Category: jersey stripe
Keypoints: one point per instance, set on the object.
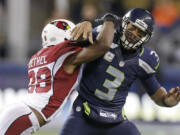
(147, 68)
(60, 61)
(13, 130)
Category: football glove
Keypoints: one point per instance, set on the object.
(108, 17)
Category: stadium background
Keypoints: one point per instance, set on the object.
(21, 22)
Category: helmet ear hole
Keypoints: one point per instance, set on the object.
(45, 38)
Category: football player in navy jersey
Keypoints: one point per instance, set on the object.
(53, 74)
(98, 109)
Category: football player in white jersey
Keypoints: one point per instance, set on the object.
(53, 73)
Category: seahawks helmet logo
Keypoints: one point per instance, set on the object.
(142, 25)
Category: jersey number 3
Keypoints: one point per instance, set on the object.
(40, 80)
(111, 86)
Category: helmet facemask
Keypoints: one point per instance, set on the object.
(129, 40)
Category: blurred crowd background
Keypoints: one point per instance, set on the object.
(21, 23)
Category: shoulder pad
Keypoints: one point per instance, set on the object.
(148, 60)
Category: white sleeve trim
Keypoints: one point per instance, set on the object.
(60, 61)
(147, 68)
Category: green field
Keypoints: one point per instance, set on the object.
(46, 133)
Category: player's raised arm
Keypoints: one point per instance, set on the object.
(167, 99)
(102, 43)
(159, 94)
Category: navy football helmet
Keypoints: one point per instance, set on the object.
(143, 20)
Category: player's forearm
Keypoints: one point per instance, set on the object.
(102, 43)
(159, 96)
(166, 99)
(99, 47)
(105, 37)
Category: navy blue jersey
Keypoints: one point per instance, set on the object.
(105, 82)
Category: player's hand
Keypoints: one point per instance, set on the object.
(173, 97)
(83, 31)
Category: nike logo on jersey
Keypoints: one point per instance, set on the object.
(37, 61)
